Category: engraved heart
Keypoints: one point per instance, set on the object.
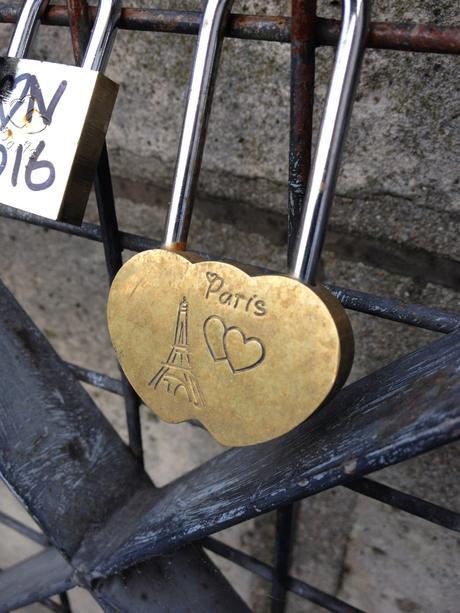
(214, 331)
(242, 353)
(250, 357)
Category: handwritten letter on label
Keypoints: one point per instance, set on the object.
(43, 108)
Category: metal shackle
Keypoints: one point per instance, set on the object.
(334, 124)
(26, 27)
(354, 28)
(193, 136)
(102, 34)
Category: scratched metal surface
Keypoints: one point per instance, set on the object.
(72, 472)
(402, 410)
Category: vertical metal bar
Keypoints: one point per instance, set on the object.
(112, 250)
(80, 32)
(80, 29)
(336, 115)
(303, 44)
(65, 603)
(285, 526)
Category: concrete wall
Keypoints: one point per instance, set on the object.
(393, 231)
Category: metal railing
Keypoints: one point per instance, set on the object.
(305, 32)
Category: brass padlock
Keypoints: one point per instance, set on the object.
(248, 354)
(54, 119)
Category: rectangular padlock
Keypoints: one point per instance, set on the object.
(53, 120)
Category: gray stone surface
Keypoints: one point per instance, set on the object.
(398, 186)
(397, 562)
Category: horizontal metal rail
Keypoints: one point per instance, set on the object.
(97, 379)
(391, 309)
(406, 502)
(30, 533)
(265, 571)
(274, 28)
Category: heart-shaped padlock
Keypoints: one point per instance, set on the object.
(249, 355)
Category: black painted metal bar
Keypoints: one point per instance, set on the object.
(112, 250)
(65, 603)
(392, 309)
(398, 412)
(284, 537)
(373, 489)
(396, 310)
(97, 379)
(35, 579)
(406, 502)
(48, 603)
(52, 433)
(21, 528)
(368, 487)
(413, 505)
(53, 606)
(80, 31)
(265, 571)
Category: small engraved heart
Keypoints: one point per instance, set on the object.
(243, 353)
(214, 331)
(231, 344)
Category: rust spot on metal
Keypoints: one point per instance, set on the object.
(303, 42)
(79, 21)
(179, 246)
(403, 37)
(399, 37)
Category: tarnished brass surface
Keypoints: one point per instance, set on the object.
(53, 120)
(250, 357)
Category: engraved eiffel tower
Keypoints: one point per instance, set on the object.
(176, 373)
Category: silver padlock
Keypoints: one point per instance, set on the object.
(53, 119)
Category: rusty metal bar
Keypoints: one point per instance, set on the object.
(301, 121)
(399, 37)
(79, 24)
(303, 45)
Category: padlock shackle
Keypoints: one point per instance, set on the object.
(26, 27)
(102, 35)
(334, 124)
(193, 136)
